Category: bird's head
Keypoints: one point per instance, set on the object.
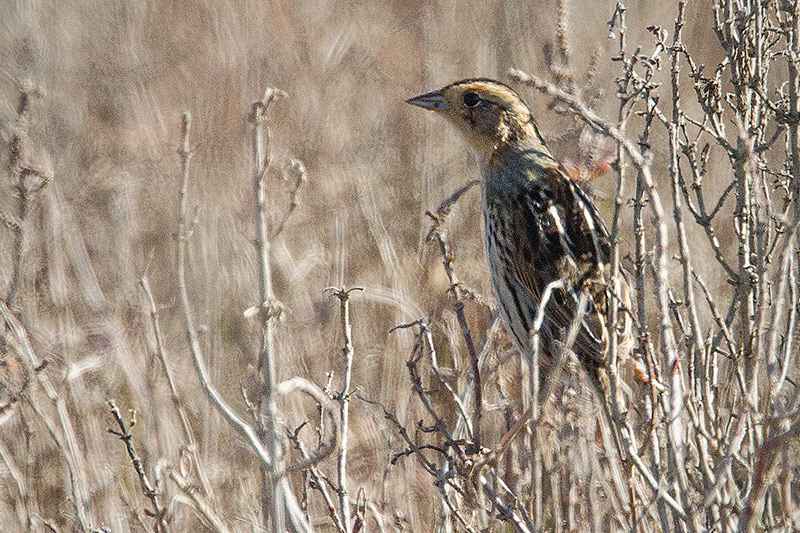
(488, 113)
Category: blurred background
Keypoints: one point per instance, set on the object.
(115, 78)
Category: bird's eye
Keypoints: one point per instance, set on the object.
(471, 99)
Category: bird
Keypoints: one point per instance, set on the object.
(546, 243)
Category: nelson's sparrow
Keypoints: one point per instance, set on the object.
(540, 227)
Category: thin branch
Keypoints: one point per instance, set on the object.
(318, 482)
(67, 442)
(344, 400)
(200, 503)
(22, 169)
(299, 169)
(439, 233)
(262, 157)
(158, 513)
(244, 429)
(318, 395)
(175, 396)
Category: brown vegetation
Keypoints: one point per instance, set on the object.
(209, 293)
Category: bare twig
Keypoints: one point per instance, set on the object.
(439, 233)
(67, 441)
(318, 482)
(199, 502)
(344, 401)
(425, 331)
(191, 332)
(158, 512)
(247, 431)
(28, 178)
(175, 396)
(262, 157)
(299, 169)
(325, 449)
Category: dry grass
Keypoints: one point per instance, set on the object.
(115, 80)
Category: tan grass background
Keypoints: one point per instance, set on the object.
(116, 77)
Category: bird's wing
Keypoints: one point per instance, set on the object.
(560, 236)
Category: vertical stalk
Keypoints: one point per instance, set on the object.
(456, 293)
(344, 403)
(175, 396)
(270, 494)
(794, 107)
(533, 435)
(344, 411)
(19, 241)
(21, 170)
(695, 334)
(619, 198)
(285, 502)
(15, 162)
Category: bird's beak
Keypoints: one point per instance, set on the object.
(432, 100)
